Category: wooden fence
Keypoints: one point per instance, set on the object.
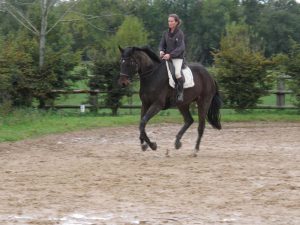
(281, 91)
(94, 105)
(94, 100)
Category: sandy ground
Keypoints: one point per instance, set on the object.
(247, 173)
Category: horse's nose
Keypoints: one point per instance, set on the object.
(123, 81)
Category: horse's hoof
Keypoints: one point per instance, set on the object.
(144, 147)
(178, 144)
(153, 146)
(195, 153)
(167, 153)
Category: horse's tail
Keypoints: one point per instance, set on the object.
(213, 115)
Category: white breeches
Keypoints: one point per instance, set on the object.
(177, 64)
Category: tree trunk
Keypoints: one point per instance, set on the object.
(42, 46)
(43, 33)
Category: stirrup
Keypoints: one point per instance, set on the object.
(180, 97)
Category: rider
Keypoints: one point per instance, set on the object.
(172, 47)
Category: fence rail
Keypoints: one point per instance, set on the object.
(94, 96)
(280, 100)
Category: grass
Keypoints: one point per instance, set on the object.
(28, 123)
(13, 130)
(74, 98)
(271, 99)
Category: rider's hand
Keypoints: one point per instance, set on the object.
(161, 54)
(166, 57)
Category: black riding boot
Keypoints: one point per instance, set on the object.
(180, 82)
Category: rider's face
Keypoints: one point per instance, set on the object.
(172, 23)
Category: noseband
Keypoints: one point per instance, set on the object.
(123, 75)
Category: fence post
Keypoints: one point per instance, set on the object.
(94, 101)
(130, 102)
(280, 95)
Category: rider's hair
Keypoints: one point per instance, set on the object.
(177, 19)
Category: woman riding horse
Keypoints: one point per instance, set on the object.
(156, 94)
(172, 48)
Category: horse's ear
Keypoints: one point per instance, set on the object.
(121, 49)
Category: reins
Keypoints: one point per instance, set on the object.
(145, 74)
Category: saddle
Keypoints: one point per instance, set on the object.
(186, 73)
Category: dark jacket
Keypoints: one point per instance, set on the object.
(173, 43)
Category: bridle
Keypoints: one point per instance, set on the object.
(142, 75)
(132, 62)
(123, 75)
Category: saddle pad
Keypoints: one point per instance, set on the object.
(187, 73)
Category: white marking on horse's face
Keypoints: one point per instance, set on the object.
(123, 61)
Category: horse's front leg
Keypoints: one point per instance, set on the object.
(152, 111)
(144, 145)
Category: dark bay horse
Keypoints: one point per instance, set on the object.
(156, 94)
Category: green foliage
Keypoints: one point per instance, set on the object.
(293, 70)
(106, 74)
(204, 33)
(107, 67)
(4, 81)
(251, 10)
(277, 21)
(23, 80)
(91, 28)
(289, 64)
(92, 22)
(241, 72)
(130, 33)
(17, 70)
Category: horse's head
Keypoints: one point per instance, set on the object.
(128, 66)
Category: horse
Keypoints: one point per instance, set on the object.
(156, 94)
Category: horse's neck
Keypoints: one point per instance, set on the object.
(150, 72)
(146, 64)
(145, 68)
(155, 78)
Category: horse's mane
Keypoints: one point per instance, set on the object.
(150, 53)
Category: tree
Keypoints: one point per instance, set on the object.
(92, 22)
(41, 30)
(36, 25)
(279, 20)
(130, 33)
(5, 83)
(241, 71)
(17, 71)
(105, 79)
(293, 69)
(205, 29)
(252, 11)
(106, 67)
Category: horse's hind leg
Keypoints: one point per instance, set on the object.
(188, 120)
(202, 111)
